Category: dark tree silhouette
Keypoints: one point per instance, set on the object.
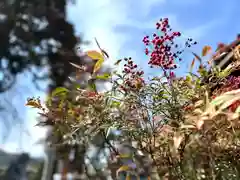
(35, 33)
(17, 168)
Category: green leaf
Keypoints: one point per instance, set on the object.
(104, 76)
(188, 78)
(124, 156)
(92, 86)
(77, 86)
(226, 72)
(59, 90)
(198, 83)
(203, 72)
(115, 104)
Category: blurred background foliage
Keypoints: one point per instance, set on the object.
(36, 39)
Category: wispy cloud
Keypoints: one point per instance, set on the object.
(100, 18)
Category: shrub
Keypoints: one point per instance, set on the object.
(158, 127)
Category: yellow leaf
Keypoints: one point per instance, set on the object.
(122, 168)
(124, 156)
(206, 50)
(98, 65)
(95, 55)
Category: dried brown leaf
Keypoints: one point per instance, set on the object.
(177, 139)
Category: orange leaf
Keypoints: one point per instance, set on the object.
(192, 64)
(206, 50)
(95, 55)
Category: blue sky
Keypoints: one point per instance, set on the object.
(119, 26)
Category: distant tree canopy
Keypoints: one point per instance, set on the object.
(35, 37)
(35, 33)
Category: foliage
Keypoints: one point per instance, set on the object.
(165, 127)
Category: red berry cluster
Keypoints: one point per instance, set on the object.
(133, 76)
(131, 68)
(163, 53)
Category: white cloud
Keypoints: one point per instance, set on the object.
(99, 18)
